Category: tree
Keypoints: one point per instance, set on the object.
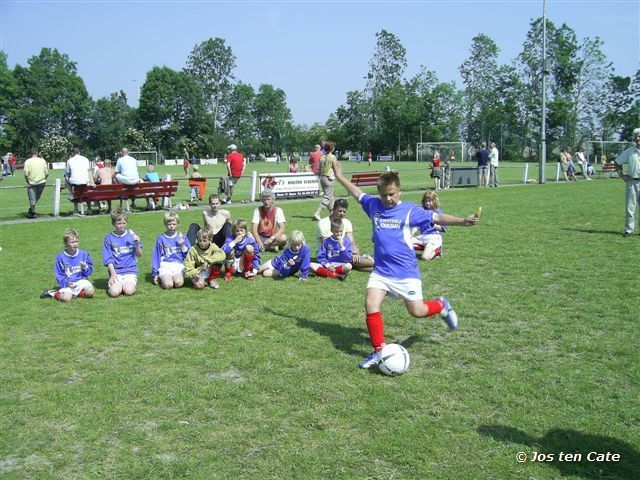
(273, 117)
(210, 64)
(52, 99)
(239, 122)
(479, 76)
(171, 106)
(109, 120)
(388, 63)
(9, 94)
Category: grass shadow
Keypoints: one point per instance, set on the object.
(591, 230)
(559, 440)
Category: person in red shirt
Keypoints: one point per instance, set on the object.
(235, 167)
(314, 159)
(12, 164)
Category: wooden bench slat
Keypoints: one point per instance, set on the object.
(365, 179)
(119, 191)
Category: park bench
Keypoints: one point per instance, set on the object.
(119, 191)
(365, 179)
(609, 168)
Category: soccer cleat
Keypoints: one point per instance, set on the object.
(341, 276)
(373, 360)
(250, 275)
(228, 276)
(214, 284)
(448, 314)
(48, 294)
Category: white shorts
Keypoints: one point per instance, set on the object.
(406, 288)
(171, 269)
(334, 264)
(127, 277)
(75, 291)
(433, 239)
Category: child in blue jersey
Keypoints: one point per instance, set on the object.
(120, 251)
(428, 239)
(171, 249)
(295, 258)
(396, 272)
(72, 268)
(335, 254)
(243, 252)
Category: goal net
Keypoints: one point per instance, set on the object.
(145, 158)
(598, 151)
(425, 151)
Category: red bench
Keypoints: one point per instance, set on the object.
(365, 179)
(119, 191)
(609, 168)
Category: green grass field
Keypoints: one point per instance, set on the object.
(260, 380)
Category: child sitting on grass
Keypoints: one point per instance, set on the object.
(243, 253)
(169, 254)
(204, 261)
(120, 251)
(72, 269)
(427, 238)
(335, 254)
(295, 258)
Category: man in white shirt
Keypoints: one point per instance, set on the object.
(78, 174)
(493, 165)
(127, 169)
(268, 224)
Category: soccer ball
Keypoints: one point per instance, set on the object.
(395, 360)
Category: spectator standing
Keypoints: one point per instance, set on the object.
(36, 172)
(630, 157)
(327, 177)
(493, 165)
(235, 167)
(482, 157)
(584, 164)
(314, 159)
(12, 164)
(435, 169)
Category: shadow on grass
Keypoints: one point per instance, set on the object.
(591, 230)
(346, 339)
(572, 441)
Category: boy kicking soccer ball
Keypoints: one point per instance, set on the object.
(72, 269)
(396, 272)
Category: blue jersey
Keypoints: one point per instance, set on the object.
(331, 251)
(393, 251)
(120, 250)
(302, 260)
(238, 249)
(67, 267)
(169, 250)
(429, 229)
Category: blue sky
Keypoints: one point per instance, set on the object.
(314, 51)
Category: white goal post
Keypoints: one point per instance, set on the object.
(599, 151)
(425, 150)
(145, 158)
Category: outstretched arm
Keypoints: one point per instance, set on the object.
(444, 219)
(351, 188)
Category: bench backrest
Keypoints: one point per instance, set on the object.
(119, 190)
(364, 179)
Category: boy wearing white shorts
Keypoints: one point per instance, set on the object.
(120, 252)
(396, 271)
(169, 254)
(72, 269)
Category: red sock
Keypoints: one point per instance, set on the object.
(214, 272)
(339, 270)
(376, 329)
(57, 295)
(247, 262)
(324, 272)
(419, 248)
(434, 306)
(81, 294)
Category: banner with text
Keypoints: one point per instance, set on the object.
(289, 185)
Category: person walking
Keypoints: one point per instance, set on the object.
(630, 157)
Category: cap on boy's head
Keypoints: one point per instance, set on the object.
(232, 147)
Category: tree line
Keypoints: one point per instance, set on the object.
(204, 107)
